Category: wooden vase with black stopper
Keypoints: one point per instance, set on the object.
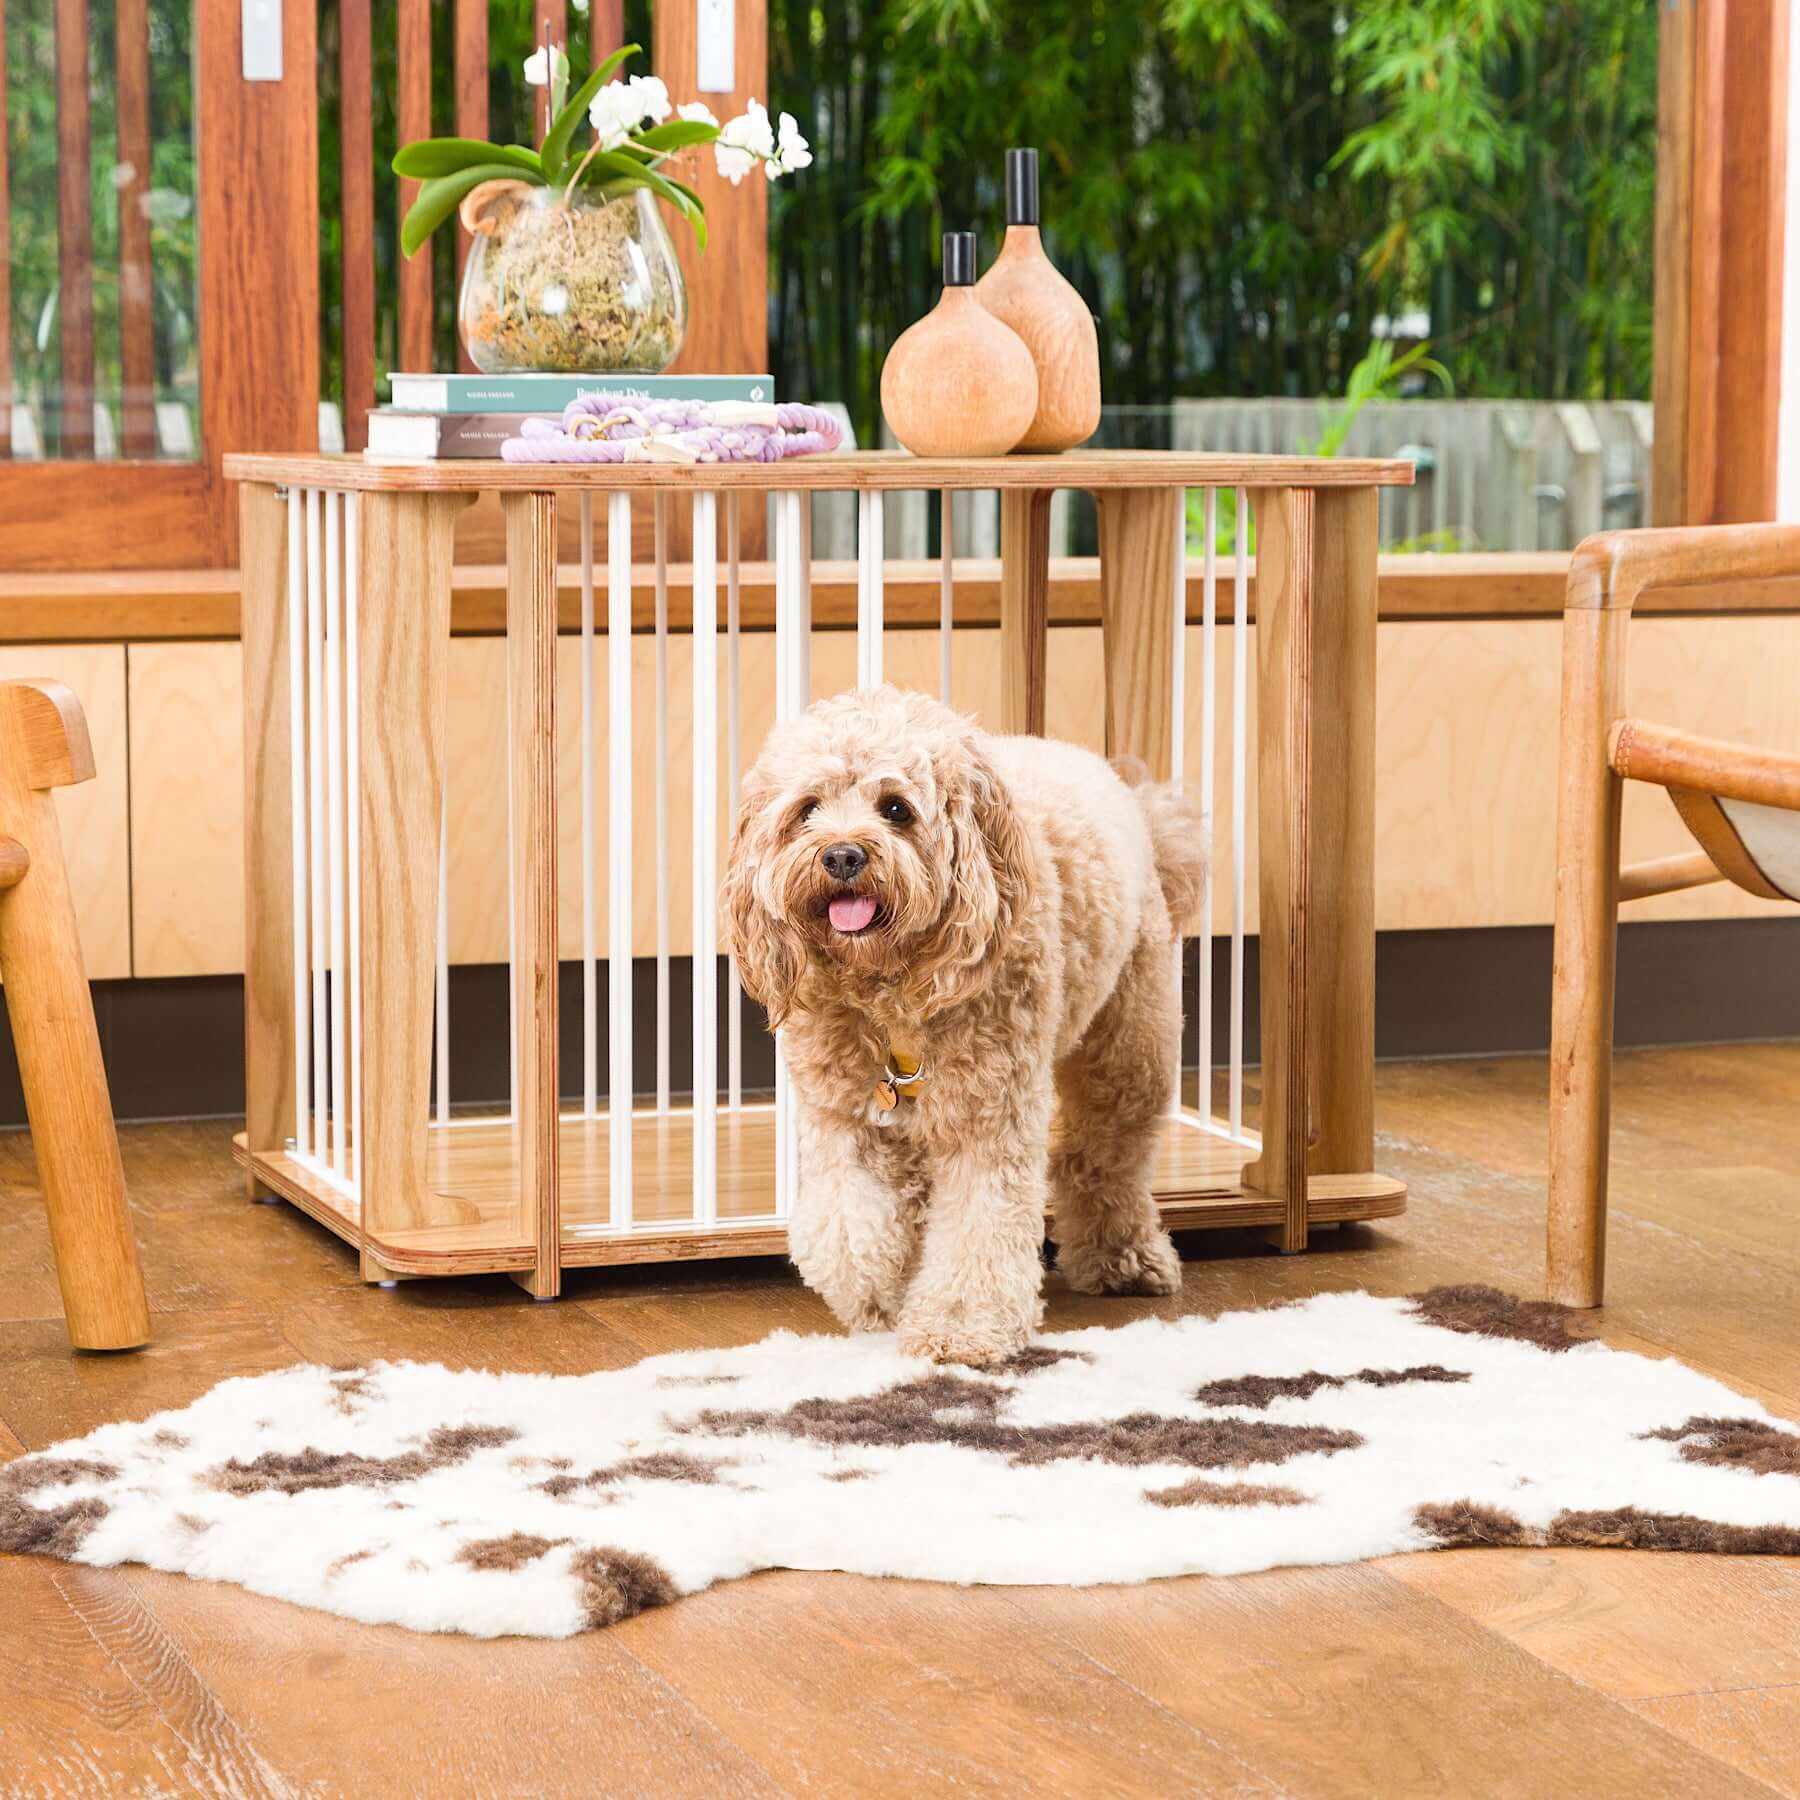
(1024, 291)
(958, 382)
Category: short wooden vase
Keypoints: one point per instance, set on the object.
(1024, 291)
(958, 382)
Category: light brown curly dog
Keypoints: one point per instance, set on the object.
(1000, 906)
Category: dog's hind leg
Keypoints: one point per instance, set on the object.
(1113, 1092)
(855, 1221)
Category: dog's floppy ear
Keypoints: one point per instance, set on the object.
(769, 955)
(991, 879)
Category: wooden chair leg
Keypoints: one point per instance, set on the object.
(1587, 916)
(44, 744)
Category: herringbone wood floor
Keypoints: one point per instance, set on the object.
(1460, 1673)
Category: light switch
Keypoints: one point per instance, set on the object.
(262, 40)
(715, 42)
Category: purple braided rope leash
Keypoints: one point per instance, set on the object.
(604, 429)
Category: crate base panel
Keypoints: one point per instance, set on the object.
(1198, 1183)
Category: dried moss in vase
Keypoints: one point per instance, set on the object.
(577, 286)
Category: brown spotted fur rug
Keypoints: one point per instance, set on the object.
(1344, 1427)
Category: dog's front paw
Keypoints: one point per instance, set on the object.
(1146, 1265)
(970, 1345)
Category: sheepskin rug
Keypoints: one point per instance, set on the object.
(1343, 1427)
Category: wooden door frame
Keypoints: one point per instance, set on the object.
(1721, 203)
(256, 160)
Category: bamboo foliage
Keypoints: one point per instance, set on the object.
(1240, 188)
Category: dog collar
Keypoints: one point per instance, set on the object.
(900, 1079)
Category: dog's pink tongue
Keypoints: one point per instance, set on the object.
(852, 912)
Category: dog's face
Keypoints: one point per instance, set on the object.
(874, 842)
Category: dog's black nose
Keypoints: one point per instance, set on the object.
(844, 862)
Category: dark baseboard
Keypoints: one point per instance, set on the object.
(176, 1048)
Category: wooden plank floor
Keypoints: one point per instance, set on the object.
(1484, 1672)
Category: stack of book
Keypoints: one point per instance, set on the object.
(435, 416)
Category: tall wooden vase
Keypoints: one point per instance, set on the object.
(958, 382)
(1024, 291)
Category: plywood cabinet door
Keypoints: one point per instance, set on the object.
(1465, 777)
(92, 814)
(187, 809)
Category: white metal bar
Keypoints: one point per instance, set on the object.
(1240, 683)
(315, 728)
(296, 547)
(706, 857)
(620, 1083)
(590, 1049)
(660, 507)
(353, 788)
(1178, 725)
(790, 698)
(870, 567)
(946, 588)
(803, 529)
(1209, 634)
(862, 578)
(734, 993)
(793, 527)
(334, 812)
(442, 998)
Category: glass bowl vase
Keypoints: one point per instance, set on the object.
(577, 284)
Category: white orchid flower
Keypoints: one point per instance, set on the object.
(621, 106)
(746, 141)
(791, 151)
(698, 112)
(546, 64)
(734, 164)
(651, 95)
(606, 113)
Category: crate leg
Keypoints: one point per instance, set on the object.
(1137, 612)
(1315, 614)
(531, 673)
(269, 1094)
(403, 643)
(1024, 607)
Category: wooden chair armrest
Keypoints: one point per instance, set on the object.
(1610, 571)
(44, 731)
(1680, 759)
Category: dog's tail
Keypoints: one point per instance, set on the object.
(1177, 836)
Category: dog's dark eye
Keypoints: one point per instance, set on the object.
(896, 811)
(809, 810)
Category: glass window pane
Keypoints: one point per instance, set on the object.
(101, 326)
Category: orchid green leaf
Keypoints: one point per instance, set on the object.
(441, 196)
(677, 134)
(431, 157)
(555, 152)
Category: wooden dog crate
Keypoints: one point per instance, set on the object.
(346, 628)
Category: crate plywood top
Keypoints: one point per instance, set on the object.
(856, 469)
